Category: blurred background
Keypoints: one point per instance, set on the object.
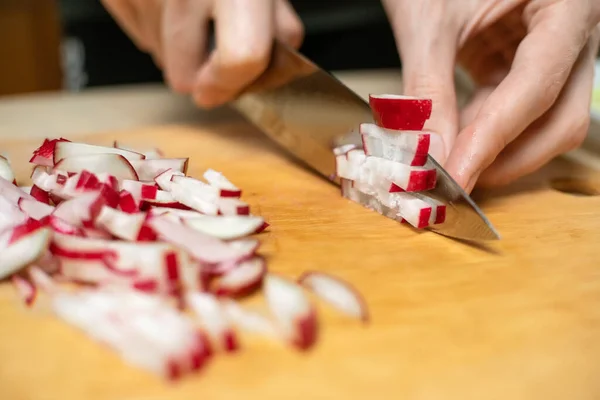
(73, 45)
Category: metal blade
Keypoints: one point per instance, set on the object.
(308, 112)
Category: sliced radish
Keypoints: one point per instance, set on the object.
(407, 147)
(368, 201)
(64, 150)
(81, 210)
(35, 209)
(120, 224)
(414, 210)
(246, 277)
(229, 206)
(147, 170)
(10, 214)
(438, 214)
(400, 112)
(26, 289)
(163, 180)
(25, 189)
(113, 164)
(44, 155)
(337, 293)
(214, 319)
(127, 202)
(292, 309)
(16, 254)
(11, 192)
(226, 227)
(140, 190)
(6, 171)
(61, 226)
(191, 199)
(249, 320)
(148, 153)
(219, 181)
(40, 195)
(202, 247)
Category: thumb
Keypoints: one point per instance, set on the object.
(427, 41)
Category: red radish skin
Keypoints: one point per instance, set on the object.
(249, 320)
(337, 293)
(400, 112)
(40, 195)
(293, 311)
(127, 202)
(163, 180)
(219, 181)
(44, 155)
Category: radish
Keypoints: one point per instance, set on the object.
(246, 277)
(140, 190)
(6, 171)
(203, 247)
(113, 164)
(64, 150)
(10, 215)
(219, 181)
(127, 202)
(35, 209)
(438, 213)
(10, 192)
(229, 206)
(214, 319)
(26, 289)
(226, 227)
(40, 195)
(293, 311)
(407, 147)
(336, 292)
(147, 170)
(120, 224)
(163, 180)
(249, 320)
(44, 155)
(148, 153)
(81, 210)
(400, 112)
(192, 199)
(18, 251)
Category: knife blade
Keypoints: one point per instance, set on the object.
(308, 112)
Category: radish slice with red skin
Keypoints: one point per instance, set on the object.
(12, 193)
(147, 170)
(219, 181)
(10, 214)
(416, 142)
(64, 150)
(25, 189)
(202, 247)
(94, 233)
(35, 209)
(113, 164)
(191, 199)
(6, 171)
(140, 190)
(368, 201)
(40, 195)
(61, 226)
(228, 206)
(44, 155)
(214, 319)
(337, 293)
(400, 112)
(249, 320)
(26, 289)
(120, 224)
(163, 180)
(149, 154)
(292, 309)
(17, 254)
(242, 280)
(81, 210)
(226, 227)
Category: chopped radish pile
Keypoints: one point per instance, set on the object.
(389, 174)
(140, 243)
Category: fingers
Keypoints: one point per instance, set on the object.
(288, 26)
(150, 25)
(537, 76)
(126, 16)
(184, 35)
(244, 37)
(427, 38)
(562, 129)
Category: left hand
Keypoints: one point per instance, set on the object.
(533, 61)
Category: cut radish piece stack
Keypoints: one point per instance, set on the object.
(140, 243)
(390, 173)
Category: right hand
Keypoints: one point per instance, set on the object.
(175, 33)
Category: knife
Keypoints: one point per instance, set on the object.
(309, 112)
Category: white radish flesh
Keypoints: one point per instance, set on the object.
(113, 164)
(226, 227)
(219, 181)
(214, 319)
(147, 170)
(64, 150)
(337, 293)
(241, 280)
(18, 254)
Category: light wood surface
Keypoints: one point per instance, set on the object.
(518, 319)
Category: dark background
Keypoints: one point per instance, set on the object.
(340, 35)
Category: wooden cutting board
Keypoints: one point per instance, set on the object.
(518, 319)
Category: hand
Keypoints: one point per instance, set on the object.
(533, 61)
(174, 32)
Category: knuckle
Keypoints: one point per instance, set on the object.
(243, 62)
